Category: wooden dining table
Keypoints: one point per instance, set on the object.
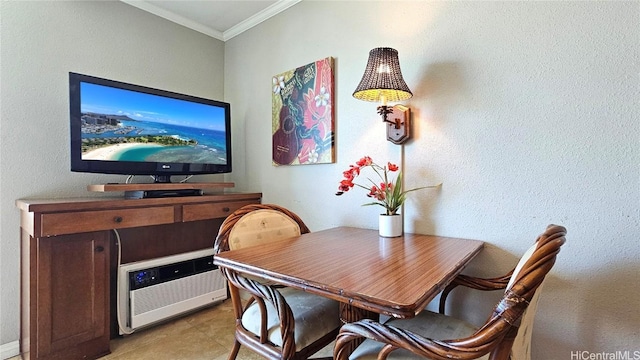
(366, 273)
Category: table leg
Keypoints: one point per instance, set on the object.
(348, 314)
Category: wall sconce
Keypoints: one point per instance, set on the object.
(382, 82)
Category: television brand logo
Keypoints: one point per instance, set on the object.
(615, 355)
(165, 166)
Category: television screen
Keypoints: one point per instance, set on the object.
(120, 128)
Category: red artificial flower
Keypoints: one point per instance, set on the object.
(365, 161)
(346, 183)
(386, 187)
(389, 194)
(349, 175)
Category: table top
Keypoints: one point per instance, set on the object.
(392, 276)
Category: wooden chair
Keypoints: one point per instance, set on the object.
(275, 321)
(505, 335)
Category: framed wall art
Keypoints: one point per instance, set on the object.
(302, 115)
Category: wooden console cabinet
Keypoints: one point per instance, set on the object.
(69, 259)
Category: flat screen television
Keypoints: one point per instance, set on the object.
(120, 128)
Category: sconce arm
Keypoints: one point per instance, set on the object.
(385, 110)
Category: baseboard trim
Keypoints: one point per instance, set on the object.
(9, 350)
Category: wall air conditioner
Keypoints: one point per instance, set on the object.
(154, 290)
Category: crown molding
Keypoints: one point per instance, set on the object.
(243, 26)
(256, 19)
(173, 17)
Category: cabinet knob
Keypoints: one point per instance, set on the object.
(99, 248)
(225, 209)
(117, 219)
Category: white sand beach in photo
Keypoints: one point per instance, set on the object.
(111, 152)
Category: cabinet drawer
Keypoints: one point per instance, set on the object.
(74, 222)
(205, 211)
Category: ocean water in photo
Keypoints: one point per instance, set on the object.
(210, 148)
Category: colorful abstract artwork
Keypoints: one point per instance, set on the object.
(302, 115)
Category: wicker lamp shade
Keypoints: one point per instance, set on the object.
(382, 79)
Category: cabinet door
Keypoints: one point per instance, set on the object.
(73, 302)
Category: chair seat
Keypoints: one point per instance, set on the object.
(314, 316)
(427, 324)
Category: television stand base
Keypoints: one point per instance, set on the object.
(146, 194)
(155, 190)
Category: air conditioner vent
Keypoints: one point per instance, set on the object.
(157, 289)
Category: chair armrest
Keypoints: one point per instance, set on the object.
(269, 293)
(473, 347)
(476, 283)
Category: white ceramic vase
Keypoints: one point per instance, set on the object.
(390, 225)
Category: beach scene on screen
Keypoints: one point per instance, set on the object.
(123, 125)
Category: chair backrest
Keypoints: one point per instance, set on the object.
(262, 225)
(526, 284)
(254, 224)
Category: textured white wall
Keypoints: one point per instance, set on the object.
(526, 111)
(41, 43)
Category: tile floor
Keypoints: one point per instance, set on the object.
(206, 334)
